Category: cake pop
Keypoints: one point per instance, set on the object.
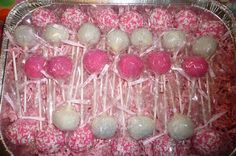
(118, 41)
(66, 118)
(186, 20)
(214, 28)
(34, 66)
(164, 144)
(131, 20)
(42, 17)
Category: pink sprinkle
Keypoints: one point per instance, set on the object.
(186, 20)
(164, 145)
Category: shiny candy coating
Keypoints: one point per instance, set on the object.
(141, 38)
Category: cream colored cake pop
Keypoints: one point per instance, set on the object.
(173, 40)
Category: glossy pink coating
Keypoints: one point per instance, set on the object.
(195, 66)
(95, 60)
(186, 20)
(34, 66)
(59, 67)
(131, 20)
(49, 139)
(158, 62)
(81, 139)
(42, 17)
(130, 66)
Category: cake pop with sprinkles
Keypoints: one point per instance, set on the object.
(164, 144)
(49, 139)
(186, 20)
(73, 18)
(131, 20)
(214, 28)
(81, 139)
(42, 17)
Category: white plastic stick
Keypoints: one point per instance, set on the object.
(208, 95)
(122, 105)
(50, 101)
(40, 104)
(94, 97)
(156, 96)
(25, 94)
(105, 92)
(172, 97)
(202, 102)
(165, 100)
(82, 89)
(179, 93)
(192, 88)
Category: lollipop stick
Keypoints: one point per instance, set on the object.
(172, 97)
(208, 95)
(192, 89)
(202, 103)
(82, 89)
(50, 101)
(165, 101)
(25, 94)
(156, 96)
(128, 95)
(94, 97)
(113, 84)
(105, 92)
(122, 105)
(179, 94)
(101, 87)
(77, 82)
(40, 103)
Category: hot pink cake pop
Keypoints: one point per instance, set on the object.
(158, 62)
(59, 67)
(21, 132)
(94, 60)
(131, 20)
(125, 146)
(49, 140)
(34, 66)
(81, 139)
(73, 18)
(160, 20)
(42, 17)
(214, 28)
(195, 66)
(130, 66)
(186, 20)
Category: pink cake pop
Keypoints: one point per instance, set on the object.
(158, 62)
(59, 67)
(164, 145)
(214, 28)
(160, 20)
(208, 141)
(195, 66)
(73, 18)
(49, 140)
(130, 66)
(94, 60)
(34, 66)
(186, 20)
(21, 132)
(81, 139)
(125, 146)
(41, 17)
(131, 20)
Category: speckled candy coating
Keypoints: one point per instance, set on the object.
(214, 28)
(186, 20)
(42, 17)
(164, 144)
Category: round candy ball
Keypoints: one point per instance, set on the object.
(73, 18)
(81, 139)
(173, 40)
(141, 38)
(89, 34)
(21, 132)
(104, 127)
(164, 144)
(25, 36)
(55, 33)
(205, 46)
(95, 60)
(49, 140)
(59, 67)
(131, 20)
(66, 118)
(158, 62)
(180, 127)
(195, 66)
(160, 20)
(125, 146)
(42, 17)
(186, 20)
(140, 127)
(34, 66)
(130, 66)
(118, 41)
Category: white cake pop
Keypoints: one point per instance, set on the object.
(89, 34)
(66, 118)
(205, 46)
(140, 127)
(104, 127)
(25, 36)
(118, 41)
(141, 38)
(173, 40)
(55, 33)
(180, 127)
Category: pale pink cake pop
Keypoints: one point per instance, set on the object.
(195, 66)
(41, 17)
(73, 18)
(160, 20)
(34, 66)
(131, 20)
(81, 139)
(94, 60)
(21, 132)
(214, 28)
(59, 67)
(186, 20)
(49, 140)
(125, 146)
(130, 66)
(158, 62)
